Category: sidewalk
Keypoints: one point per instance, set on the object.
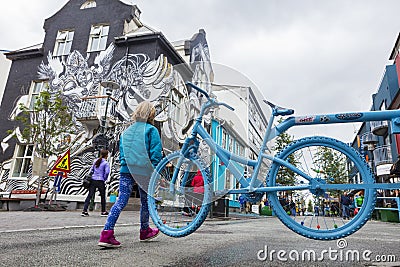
(41, 220)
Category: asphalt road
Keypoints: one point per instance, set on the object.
(66, 239)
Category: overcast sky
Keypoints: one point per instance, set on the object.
(316, 57)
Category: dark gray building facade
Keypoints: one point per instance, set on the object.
(88, 42)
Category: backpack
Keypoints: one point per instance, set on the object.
(395, 169)
(359, 201)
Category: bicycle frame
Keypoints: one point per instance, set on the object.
(271, 132)
(170, 194)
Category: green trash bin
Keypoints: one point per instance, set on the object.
(266, 211)
(389, 215)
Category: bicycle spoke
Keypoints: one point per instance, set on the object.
(175, 206)
(332, 166)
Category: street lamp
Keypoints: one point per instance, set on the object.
(109, 86)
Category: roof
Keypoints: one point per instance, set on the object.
(26, 52)
(143, 30)
(395, 48)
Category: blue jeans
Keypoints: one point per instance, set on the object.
(346, 211)
(293, 211)
(126, 182)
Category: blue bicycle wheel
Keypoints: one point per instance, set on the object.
(177, 208)
(318, 213)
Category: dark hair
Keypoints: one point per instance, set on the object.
(103, 154)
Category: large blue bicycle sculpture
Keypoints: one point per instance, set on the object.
(177, 210)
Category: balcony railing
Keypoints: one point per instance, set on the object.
(379, 127)
(383, 155)
(93, 108)
(369, 139)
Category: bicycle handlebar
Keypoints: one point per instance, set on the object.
(212, 101)
(198, 89)
(226, 105)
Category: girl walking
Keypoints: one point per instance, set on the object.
(101, 170)
(140, 151)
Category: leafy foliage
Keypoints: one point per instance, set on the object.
(47, 124)
(285, 176)
(332, 166)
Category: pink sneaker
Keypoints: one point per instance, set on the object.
(107, 239)
(148, 234)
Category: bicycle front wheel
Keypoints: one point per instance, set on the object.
(176, 208)
(318, 213)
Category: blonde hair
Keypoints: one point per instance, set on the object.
(145, 111)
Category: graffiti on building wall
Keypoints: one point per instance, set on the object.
(139, 78)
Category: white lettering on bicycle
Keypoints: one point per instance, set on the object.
(348, 116)
(305, 119)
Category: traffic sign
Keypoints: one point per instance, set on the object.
(54, 173)
(63, 164)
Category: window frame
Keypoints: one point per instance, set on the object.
(98, 36)
(88, 4)
(26, 160)
(176, 99)
(66, 42)
(33, 93)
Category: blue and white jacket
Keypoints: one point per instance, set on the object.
(140, 149)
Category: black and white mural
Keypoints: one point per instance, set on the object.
(139, 78)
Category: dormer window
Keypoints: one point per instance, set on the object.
(88, 4)
(98, 38)
(63, 43)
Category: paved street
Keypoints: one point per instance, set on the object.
(67, 239)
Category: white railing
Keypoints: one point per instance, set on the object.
(93, 107)
(379, 127)
(382, 155)
(369, 138)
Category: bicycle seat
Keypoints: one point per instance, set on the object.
(279, 111)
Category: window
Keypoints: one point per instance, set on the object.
(98, 38)
(241, 150)
(63, 43)
(37, 87)
(230, 144)
(88, 4)
(224, 137)
(228, 179)
(23, 160)
(176, 106)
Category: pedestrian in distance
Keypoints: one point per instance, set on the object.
(292, 207)
(140, 151)
(242, 202)
(345, 201)
(198, 183)
(101, 170)
(198, 190)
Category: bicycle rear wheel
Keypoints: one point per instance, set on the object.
(318, 213)
(176, 208)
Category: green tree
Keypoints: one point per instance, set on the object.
(332, 166)
(285, 176)
(45, 125)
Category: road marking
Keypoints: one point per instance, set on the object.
(64, 227)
